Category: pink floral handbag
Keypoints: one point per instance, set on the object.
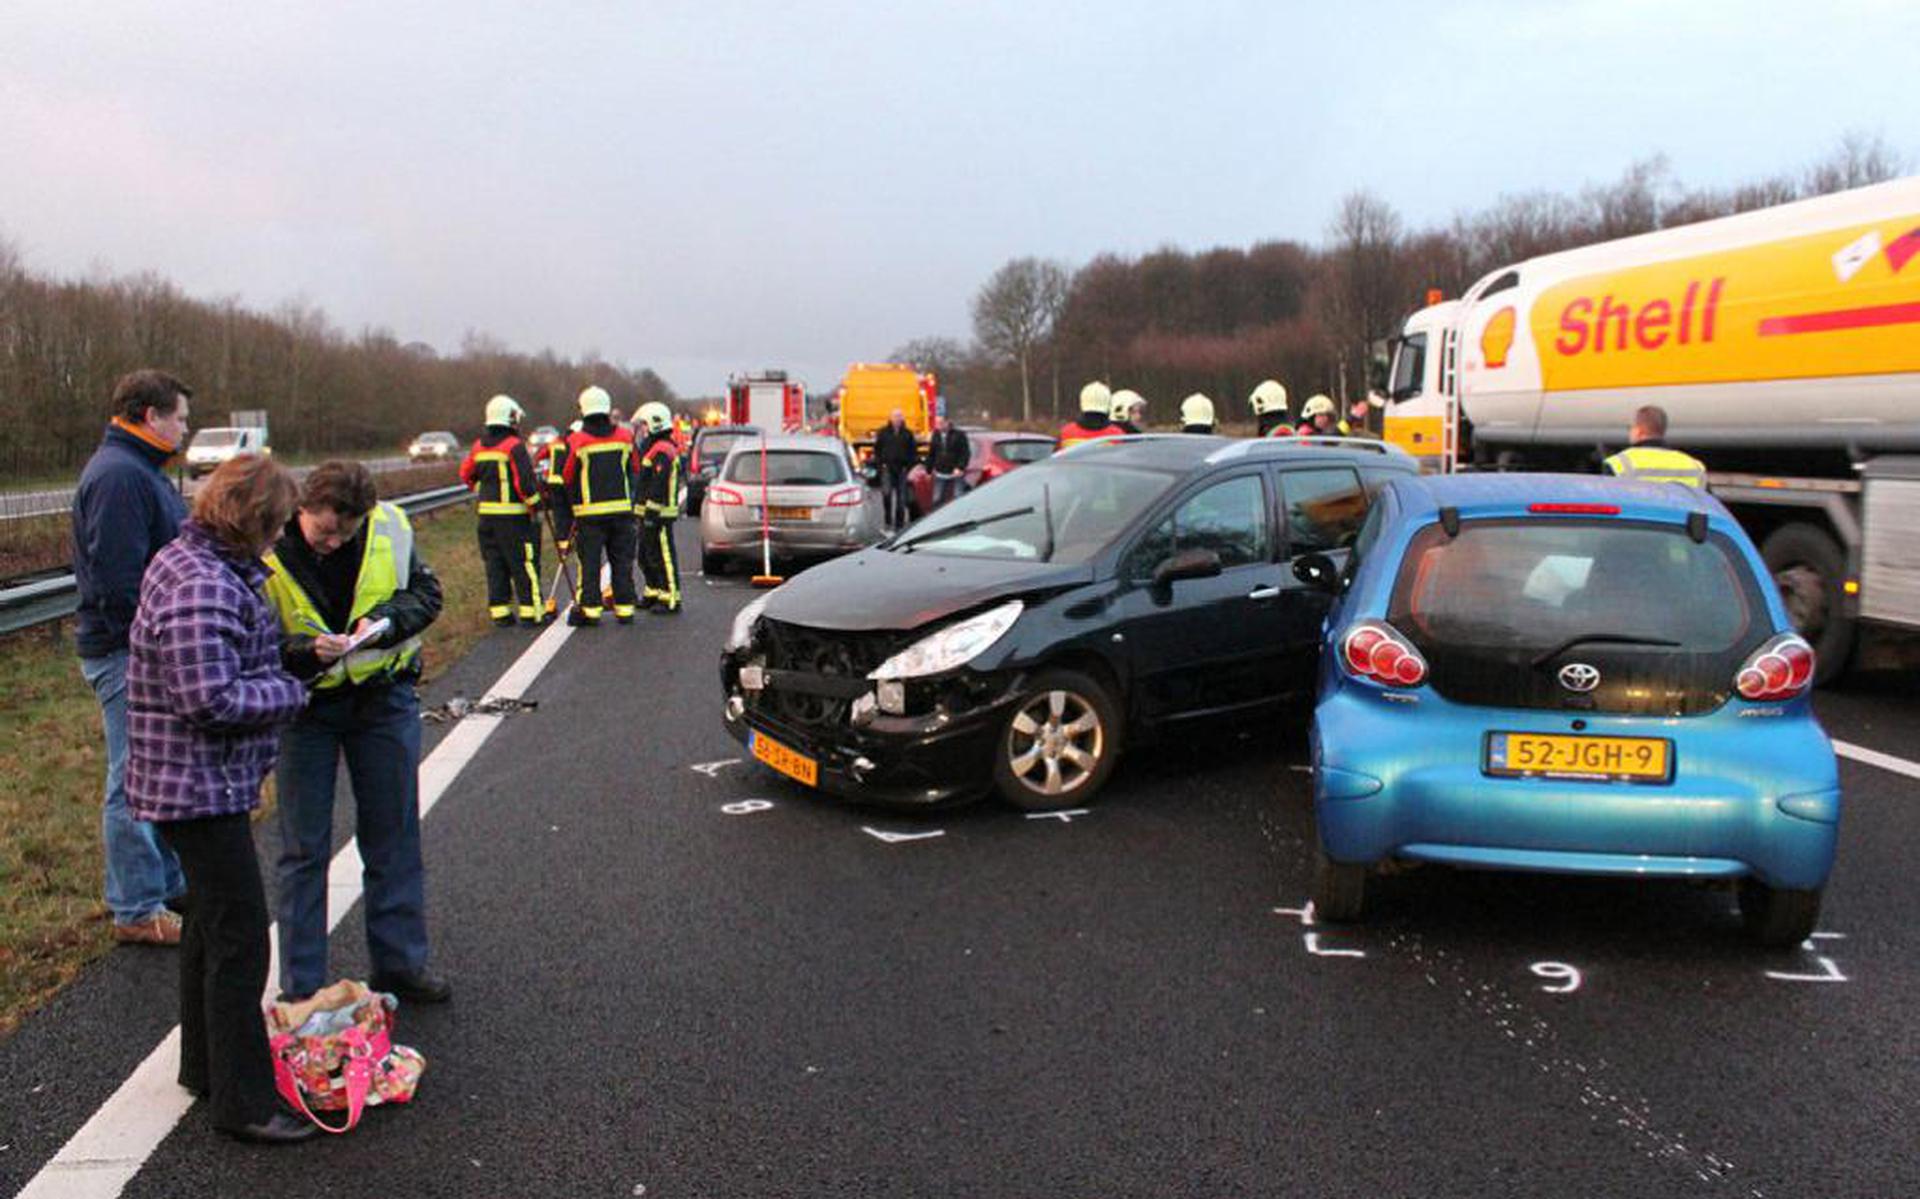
(335, 1052)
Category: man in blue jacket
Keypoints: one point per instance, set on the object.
(124, 511)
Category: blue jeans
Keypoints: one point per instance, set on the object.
(378, 731)
(948, 487)
(142, 873)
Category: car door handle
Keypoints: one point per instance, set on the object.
(1264, 593)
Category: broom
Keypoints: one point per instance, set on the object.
(766, 577)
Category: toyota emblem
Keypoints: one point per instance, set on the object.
(1578, 676)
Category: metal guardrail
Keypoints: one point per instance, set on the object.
(55, 596)
(58, 501)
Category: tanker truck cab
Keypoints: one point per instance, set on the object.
(1420, 415)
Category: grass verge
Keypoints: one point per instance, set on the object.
(52, 761)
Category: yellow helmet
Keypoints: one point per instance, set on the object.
(1317, 406)
(1268, 396)
(655, 416)
(502, 410)
(1095, 397)
(594, 401)
(1123, 404)
(1196, 409)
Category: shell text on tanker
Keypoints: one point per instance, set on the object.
(1614, 325)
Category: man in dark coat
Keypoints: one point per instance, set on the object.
(895, 451)
(947, 457)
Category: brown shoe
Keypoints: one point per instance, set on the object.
(161, 928)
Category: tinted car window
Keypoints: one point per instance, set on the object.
(1073, 510)
(1229, 518)
(1534, 584)
(788, 468)
(1324, 508)
(713, 447)
(1031, 450)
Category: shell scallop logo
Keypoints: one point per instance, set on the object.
(1497, 338)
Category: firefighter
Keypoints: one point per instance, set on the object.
(1196, 414)
(1095, 421)
(553, 492)
(499, 470)
(1269, 403)
(1648, 458)
(1127, 410)
(658, 505)
(599, 477)
(1322, 419)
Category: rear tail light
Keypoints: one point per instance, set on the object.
(724, 496)
(846, 497)
(1575, 509)
(1780, 669)
(1374, 649)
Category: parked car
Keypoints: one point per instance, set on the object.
(993, 454)
(814, 502)
(1570, 674)
(1019, 637)
(540, 439)
(710, 446)
(434, 447)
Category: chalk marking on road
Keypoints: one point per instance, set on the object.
(1829, 970)
(895, 838)
(1568, 976)
(1065, 817)
(1305, 913)
(1874, 757)
(746, 807)
(102, 1158)
(1313, 947)
(711, 769)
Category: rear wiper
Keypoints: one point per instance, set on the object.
(1606, 638)
(965, 526)
(1046, 515)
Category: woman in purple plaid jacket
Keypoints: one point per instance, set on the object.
(205, 694)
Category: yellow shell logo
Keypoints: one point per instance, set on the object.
(1497, 338)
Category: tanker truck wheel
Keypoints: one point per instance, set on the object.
(1809, 568)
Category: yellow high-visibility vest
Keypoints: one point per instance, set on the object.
(384, 569)
(1658, 464)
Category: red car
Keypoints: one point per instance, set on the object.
(993, 454)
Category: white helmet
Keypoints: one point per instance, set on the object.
(502, 410)
(1095, 397)
(1196, 409)
(1317, 406)
(1268, 396)
(655, 416)
(594, 401)
(1124, 402)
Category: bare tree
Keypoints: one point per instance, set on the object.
(1366, 292)
(1858, 160)
(1015, 311)
(943, 356)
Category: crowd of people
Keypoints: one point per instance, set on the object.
(1108, 413)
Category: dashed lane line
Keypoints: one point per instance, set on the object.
(102, 1158)
(1874, 757)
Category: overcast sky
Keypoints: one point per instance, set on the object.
(711, 186)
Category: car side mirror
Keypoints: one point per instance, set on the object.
(1317, 570)
(1187, 564)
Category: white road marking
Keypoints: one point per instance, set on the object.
(710, 769)
(893, 838)
(1874, 757)
(1065, 817)
(1313, 947)
(1567, 976)
(102, 1158)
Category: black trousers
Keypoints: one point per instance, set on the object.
(615, 538)
(658, 563)
(223, 968)
(510, 548)
(893, 494)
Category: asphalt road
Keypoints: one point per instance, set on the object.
(668, 990)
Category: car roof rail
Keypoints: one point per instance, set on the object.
(1345, 443)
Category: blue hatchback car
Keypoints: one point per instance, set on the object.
(1569, 674)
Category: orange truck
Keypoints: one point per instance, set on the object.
(1784, 345)
(869, 394)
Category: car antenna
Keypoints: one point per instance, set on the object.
(1450, 521)
(1046, 518)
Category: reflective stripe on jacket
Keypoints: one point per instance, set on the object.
(1658, 464)
(1075, 433)
(660, 479)
(384, 569)
(500, 473)
(599, 472)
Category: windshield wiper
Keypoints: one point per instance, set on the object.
(1603, 638)
(1046, 516)
(965, 526)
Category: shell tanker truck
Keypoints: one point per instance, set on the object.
(1784, 345)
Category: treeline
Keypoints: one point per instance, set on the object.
(63, 343)
(1173, 322)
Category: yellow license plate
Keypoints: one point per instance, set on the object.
(789, 513)
(1556, 755)
(790, 762)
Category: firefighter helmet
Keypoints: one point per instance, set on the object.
(1317, 406)
(1268, 396)
(1196, 409)
(1124, 402)
(1095, 397)
(594, 401)
(655, 416)
(502, 410)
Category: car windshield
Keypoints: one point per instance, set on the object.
(789, 468)
(1074, 511)
(437, 439)
(1031, 449)
(214, 439)
(1548, 584)
(713, 447)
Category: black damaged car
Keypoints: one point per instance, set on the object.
(1024, 634)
